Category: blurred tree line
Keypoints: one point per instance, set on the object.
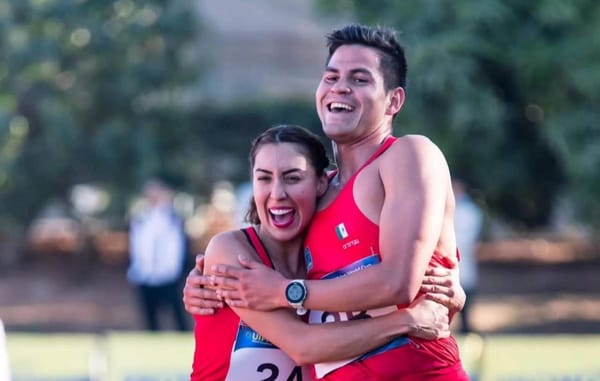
(103, 92)
(88, 94)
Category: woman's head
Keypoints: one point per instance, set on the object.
(288, 165)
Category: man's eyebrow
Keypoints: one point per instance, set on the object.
(359, 70)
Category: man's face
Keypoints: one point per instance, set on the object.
(351, 99)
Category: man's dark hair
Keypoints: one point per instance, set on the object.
(393, 62)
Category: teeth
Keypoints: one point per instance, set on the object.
(338, 105)
(279, 212)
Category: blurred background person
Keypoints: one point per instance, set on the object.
(157, 247)
(468, 220)
(4, 370)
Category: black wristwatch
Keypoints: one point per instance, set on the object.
(296, 294)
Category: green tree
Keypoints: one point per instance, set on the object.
(509, 90)
(88, 90)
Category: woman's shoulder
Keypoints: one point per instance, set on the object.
(228, 244)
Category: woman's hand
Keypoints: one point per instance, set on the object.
(442, 285)
(255, 286)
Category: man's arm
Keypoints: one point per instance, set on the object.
(197, 299)
(416, 181)
(311, 343)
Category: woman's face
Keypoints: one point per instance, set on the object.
(285, 187)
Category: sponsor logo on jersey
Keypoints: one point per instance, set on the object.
(341, 231)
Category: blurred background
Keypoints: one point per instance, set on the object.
(96, 96)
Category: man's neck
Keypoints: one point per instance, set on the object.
(350, 157)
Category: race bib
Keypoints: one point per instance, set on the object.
(322, 317)
(256, 359)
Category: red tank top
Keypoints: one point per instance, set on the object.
(342, 240)
(228, 349)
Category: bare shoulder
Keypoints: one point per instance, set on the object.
(415, 151)
(415, 145)
(225, 247)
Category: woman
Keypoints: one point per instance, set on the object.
(288, 166)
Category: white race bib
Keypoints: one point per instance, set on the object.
(256, 359)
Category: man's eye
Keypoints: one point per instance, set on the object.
(263, 178)
(330, 78)
(361, 80)
(293, 179)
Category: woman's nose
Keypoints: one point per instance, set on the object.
(278, 192)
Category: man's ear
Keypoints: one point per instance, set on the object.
(395, 101)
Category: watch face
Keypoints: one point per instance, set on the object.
(295, 293)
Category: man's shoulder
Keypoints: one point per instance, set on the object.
(412, 146)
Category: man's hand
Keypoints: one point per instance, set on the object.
(430, 319)
(442, 285)
(255, 286)
(197, 299)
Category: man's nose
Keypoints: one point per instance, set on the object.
(341, 87)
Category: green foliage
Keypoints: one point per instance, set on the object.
(225, 135)
(87, 91)
(509, 90)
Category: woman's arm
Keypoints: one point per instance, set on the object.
(311, 343)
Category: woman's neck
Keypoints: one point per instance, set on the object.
(285, 255)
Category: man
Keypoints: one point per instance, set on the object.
(157, 251)
(468, 220)
(390, 203)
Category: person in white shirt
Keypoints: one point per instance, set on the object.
(468, 220)
(157, 255)
(4, 365)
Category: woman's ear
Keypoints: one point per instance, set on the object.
(322, 185)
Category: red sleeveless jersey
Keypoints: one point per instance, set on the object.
(228, 349)
(342, 240)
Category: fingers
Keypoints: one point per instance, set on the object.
(199, 263)
(441, 280)
(227, 271)
(438, 298)
(438, 271)
(247, 262)
(199, 301)
(437, 289)
(197, 280)
(223, 282)
(202, 297)
(229, 295)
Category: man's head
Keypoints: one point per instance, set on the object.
(393, 62)
(361, 90)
